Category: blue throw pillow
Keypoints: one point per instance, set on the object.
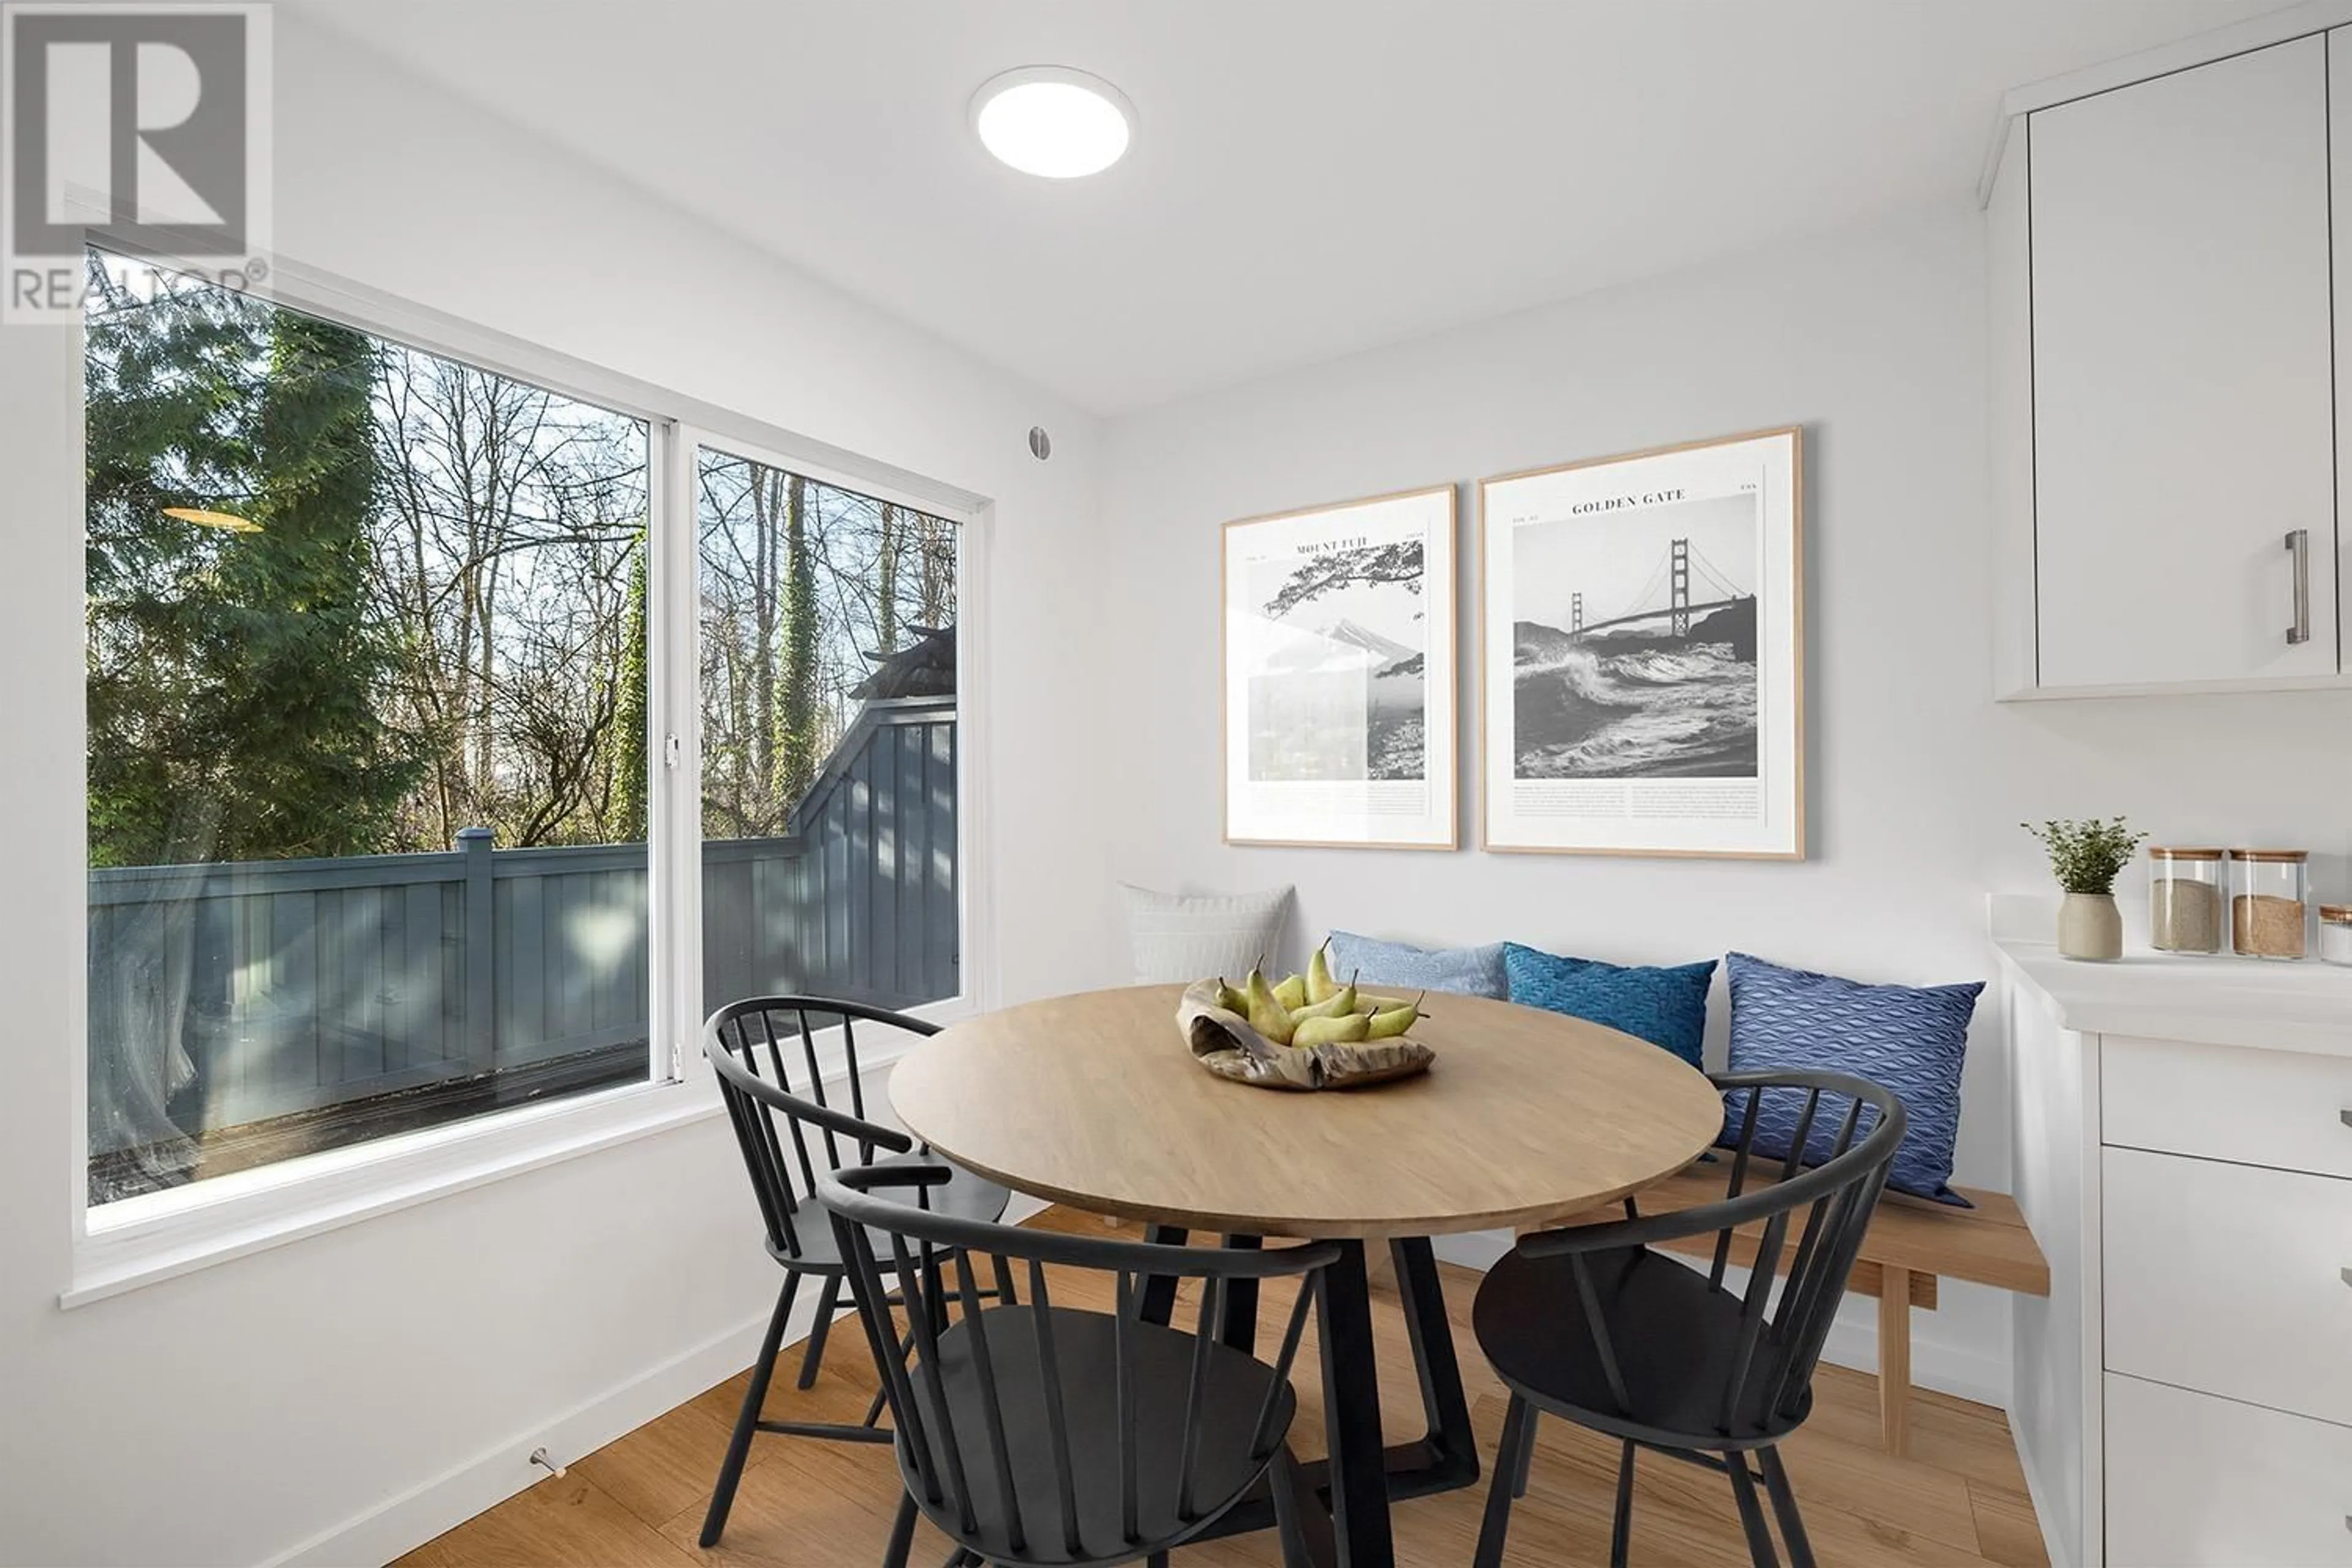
(1462, 971)
(1908, 1038)
(1666, 1007)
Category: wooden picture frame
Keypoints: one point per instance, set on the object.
(1667, 716)
(1326, 671)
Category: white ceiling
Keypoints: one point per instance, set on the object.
(1308, 177)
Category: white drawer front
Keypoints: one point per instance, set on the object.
(2261, 1108)
(2198, 1482)
(2229, 1279)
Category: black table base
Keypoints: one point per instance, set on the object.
(1355, 1486)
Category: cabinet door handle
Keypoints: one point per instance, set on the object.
(2298, 544)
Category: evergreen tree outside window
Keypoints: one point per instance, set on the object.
(366, 687)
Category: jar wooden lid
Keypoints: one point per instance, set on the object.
(2273, 856)
(2337, 914)
(2158, 853)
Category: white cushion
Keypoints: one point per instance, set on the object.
(1182, 937)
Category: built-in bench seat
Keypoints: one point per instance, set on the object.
(1910, 1246)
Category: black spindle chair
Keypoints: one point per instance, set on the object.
(764, 1050)
(1036, 1433)
(1589, 1324)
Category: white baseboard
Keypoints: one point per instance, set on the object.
(2060, 1552)
(1966, 1372)
(415, 1516)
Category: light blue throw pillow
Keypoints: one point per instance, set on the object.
(1462, 971)
(1666, 1007)
(1908, 1039)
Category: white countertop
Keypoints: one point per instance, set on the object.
(2304, 1005)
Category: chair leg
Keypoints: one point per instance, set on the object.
(1620, 1526)
(1528, 1457)
(812, 1358)
(1283, 1484)
(739, 1448)
(1518, 1435)
(1784, 1509)
(1751, 1513)
(902, 1533)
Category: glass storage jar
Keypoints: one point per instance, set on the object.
(2267, 891)
(2184, 900)
(2335, 933)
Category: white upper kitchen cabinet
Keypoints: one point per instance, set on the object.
(2171, 421)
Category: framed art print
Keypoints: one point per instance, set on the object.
(1641, 653)
(1338, 674)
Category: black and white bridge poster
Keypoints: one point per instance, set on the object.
(1338, 674)
(1642, 684)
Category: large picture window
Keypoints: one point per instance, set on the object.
(367, 666)
(389, 693)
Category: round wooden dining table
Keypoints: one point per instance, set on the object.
(1525, 1117)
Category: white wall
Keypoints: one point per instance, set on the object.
(1873, 339)
(236, 1413)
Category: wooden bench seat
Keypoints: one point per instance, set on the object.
(1911, 1245)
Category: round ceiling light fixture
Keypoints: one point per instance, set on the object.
(1053, 121)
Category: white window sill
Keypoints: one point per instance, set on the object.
(160, 1236)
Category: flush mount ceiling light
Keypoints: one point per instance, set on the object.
(1053, 121)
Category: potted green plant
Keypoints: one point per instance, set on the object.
(2086, 857)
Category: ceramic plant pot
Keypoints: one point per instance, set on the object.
(2090, 927)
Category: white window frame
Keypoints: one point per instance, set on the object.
(155, 1236)
(975, 968)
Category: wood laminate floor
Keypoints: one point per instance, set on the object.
(1957, 1502)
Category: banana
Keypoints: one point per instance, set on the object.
(1291, 992)
(1266, 1016)
(1395, 1021)
(1341, 1029)
(1319, 986)
(1339, 1004)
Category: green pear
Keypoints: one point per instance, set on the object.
(1336, 1029)
(1319, 985)
(1266, 1016)
(1339, 1002)
(1394, 1021)
(1291, 992)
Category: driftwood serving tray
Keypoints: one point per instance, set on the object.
(1223, 1041)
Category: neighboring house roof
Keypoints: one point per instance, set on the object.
(926, 667)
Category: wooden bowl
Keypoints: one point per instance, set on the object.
(1223, 1041)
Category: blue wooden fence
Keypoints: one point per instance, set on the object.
(295, 984)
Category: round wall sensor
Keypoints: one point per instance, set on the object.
(1041, 445)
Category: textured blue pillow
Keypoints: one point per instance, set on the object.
(1908, 1038)
(1464, 971)
(1666, 1007)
